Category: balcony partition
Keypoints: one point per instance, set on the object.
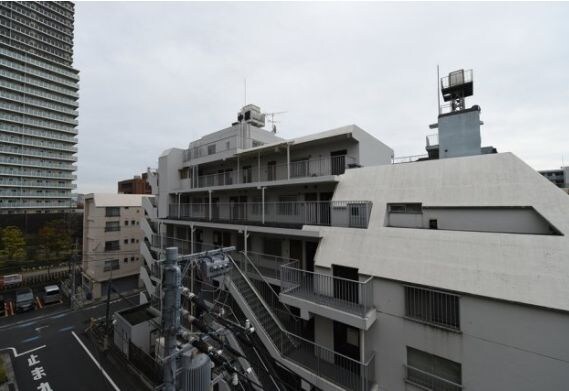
(354, 214)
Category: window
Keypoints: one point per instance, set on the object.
(433, 307)
(132, 240)
(247, 174)
(132, 259)
(433, 224)
(112, 245)
(405, 208)
(211, 149)
(112, 226)
(125, 260)
(433, 372)
(126, 222)
(112, 212)
(133, 222)
(112, 264)
(126, 241)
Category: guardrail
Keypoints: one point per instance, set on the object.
(354, 214)
(347, 295)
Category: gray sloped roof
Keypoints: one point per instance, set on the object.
(531, 269)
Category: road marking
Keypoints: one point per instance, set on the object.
(96, 362)
(41, 327)
(16, 354)
(39, 302)
(66, 328)
(31, 339)
(58, 316)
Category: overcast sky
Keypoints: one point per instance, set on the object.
(158, 75)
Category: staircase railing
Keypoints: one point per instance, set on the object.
(319, 360)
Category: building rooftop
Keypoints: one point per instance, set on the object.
(110, 199)
(525, 268)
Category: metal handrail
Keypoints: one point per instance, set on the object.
(354, 294)
(260, 298)
(265, 281)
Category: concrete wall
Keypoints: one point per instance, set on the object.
(459, 134)
(168, 178)
(501, 346)
(372, 152)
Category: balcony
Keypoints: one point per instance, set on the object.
(432, 140)
(294, 214)
(348, 301)
(307, 168)
(37, 205)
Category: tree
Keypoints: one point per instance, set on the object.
(54, 237)
(13, 244)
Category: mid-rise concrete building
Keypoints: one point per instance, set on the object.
(559, 177)
(111, 242)
(38, 106)
(137, 185)
(359, 274)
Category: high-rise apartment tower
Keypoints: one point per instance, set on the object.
(38, 107)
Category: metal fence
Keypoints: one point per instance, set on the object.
(353, 214)
(348, 295)
(428, 380)
(432, 306)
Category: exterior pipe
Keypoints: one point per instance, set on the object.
(210, 205)
(288, 161)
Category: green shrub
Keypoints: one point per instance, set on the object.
(3, 376)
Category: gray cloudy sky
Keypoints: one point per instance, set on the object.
(157, 75)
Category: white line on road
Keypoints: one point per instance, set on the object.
(16, 354)
(96, 362)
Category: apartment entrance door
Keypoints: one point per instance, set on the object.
(338, 162)
(310, 252)
(215, 208)
(311, 208)
(344, 289)
(325, 217)
(295, 250)
(346, 342)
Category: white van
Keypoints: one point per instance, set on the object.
(51, 294)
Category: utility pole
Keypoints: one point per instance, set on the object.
(171, 315)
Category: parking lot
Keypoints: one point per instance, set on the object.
(8, 302)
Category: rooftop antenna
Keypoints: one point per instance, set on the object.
(271, 119)
(244, 92)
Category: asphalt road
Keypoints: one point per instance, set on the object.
(50, 350)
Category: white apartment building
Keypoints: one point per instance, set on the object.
(111, 242)
(443, 274)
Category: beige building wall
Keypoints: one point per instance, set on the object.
(111, 239)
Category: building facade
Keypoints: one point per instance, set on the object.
(559, 178)
(359, 274)
(137, 185)
(111, 242)
(38, 106)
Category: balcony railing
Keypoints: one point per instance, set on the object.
(268, 265)
(347, 295)
(335, 165)
(429, 381)
(37, 174)
(353, 214)
(38, 205)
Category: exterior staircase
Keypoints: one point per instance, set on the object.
(320, 366)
